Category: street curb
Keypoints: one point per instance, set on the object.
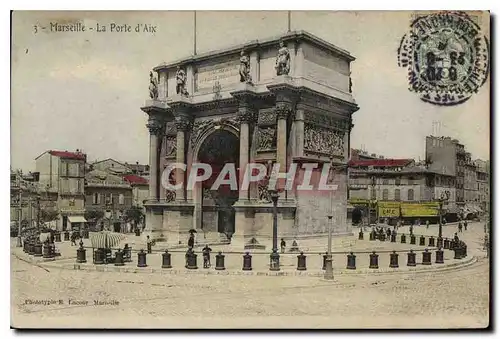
(422, 269)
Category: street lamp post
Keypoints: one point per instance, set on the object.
(20, 217)
(38, 213)
(328, 262)
(442, 199)
(275, 257)
(374, 203)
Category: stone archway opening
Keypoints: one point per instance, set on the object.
(220, 148)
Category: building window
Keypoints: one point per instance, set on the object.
(385, 194)
(397, 194)
(121, 199)
(95, 198)
(411, 195)
(398, 181)
(373, 194)
(385, 182)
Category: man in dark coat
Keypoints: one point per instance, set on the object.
(191, 241)
(206, 256)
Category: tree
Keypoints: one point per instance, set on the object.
(48, 215)
(93, 215)
(134, 215)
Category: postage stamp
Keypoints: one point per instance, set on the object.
(447, 57)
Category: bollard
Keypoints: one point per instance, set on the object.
(431, 242)
(99, 256)
(191, 260)
(426, 257)
(422, 241)
(127, 253)
(119, 258)
(57, 236)
(80, 254)
(394, 260)
(411, 259)
(52, 250)
(37, 249)
(46, 250)
(446, 244)
(219, 262)
(31, 247)
(247, 262)
(393, 237)
(373, 260)
(403, 239)
(439, 242)
(166, 260)
(457, 255)
(413, 239)
(301, 262)
(360, 237)
(141, 259)
(274, 261)
(66, 236)
(439, 256)
(325, 256)
(372, 235)
(351, 261)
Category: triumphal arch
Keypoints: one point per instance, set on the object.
(282, 100)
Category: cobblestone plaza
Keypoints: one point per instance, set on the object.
(454, 297)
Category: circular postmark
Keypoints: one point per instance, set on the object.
(446, 56)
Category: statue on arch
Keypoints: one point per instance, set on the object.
(153, 86)
(245, 68)
(283, 60)
(181, 79)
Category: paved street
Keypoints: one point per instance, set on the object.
(454, 298)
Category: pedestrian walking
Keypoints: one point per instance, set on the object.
(283, 245)
(73, 238)
(427, 224)
(460, 227)
(465, 225)
(206, 256)
(149, 245)
(191, 241)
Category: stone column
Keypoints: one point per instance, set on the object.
(182, 125)
(155, 128)
(299, 132)
(245, 117)
(282, 113)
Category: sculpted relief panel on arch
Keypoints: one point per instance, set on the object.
(323, 140)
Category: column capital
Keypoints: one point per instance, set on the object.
(283, 110)
(247, 104)
(155, 127)
(182, 123)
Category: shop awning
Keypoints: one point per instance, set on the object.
(76, 218)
